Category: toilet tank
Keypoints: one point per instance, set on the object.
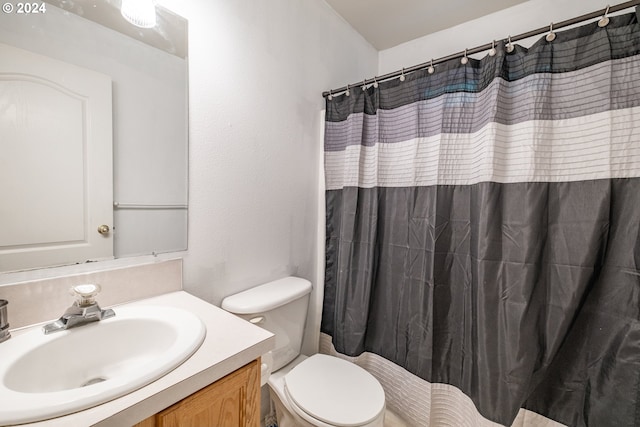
(279, 307)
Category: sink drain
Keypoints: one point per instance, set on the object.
(93, 381)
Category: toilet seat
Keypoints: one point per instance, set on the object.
(333, 391)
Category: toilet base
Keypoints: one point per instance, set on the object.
(284, 416)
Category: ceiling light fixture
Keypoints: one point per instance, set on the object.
(141, 13)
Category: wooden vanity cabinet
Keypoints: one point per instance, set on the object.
(231, 401)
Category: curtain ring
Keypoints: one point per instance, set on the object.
(364, 85)
(509, 46)
(492, 51)
(431, 68)
(604, 21)
(348, 92)
(464, 59)
(551, 36)
(330, 97)
(375, 82)
(402, 77)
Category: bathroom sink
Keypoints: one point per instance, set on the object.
(45, 376)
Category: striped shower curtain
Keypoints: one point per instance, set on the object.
(483, 228)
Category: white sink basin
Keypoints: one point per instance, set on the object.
(45, 376)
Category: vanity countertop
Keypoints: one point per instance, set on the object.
(229, 344)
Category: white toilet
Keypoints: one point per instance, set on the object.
(320, 390)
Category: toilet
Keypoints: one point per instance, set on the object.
(314, 391)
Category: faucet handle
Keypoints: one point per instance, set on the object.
(85, 294)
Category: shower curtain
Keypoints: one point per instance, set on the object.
(483, 226)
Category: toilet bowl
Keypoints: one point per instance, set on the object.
(315, 391)
(324, 391)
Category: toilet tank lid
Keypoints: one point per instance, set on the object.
(267, 296)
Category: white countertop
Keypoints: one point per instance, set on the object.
(230, 343)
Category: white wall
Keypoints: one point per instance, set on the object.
(257, 70)
(518, 19)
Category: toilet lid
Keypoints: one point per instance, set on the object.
(335, 391)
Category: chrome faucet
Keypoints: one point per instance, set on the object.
(4, 321)
(84, 310)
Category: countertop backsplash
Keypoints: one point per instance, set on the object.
(42, 300)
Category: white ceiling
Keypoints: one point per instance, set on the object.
(388, 23)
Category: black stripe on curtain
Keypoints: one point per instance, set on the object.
(523, 294)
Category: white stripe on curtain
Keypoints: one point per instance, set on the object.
(423, 404)
(603, 145)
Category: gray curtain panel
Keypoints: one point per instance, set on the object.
(483, 226)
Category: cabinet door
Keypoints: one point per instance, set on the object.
(232, 401)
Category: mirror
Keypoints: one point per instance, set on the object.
(148, 69)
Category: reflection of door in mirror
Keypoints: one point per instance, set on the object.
(56, 164)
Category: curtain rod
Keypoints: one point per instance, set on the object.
(487, 46)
